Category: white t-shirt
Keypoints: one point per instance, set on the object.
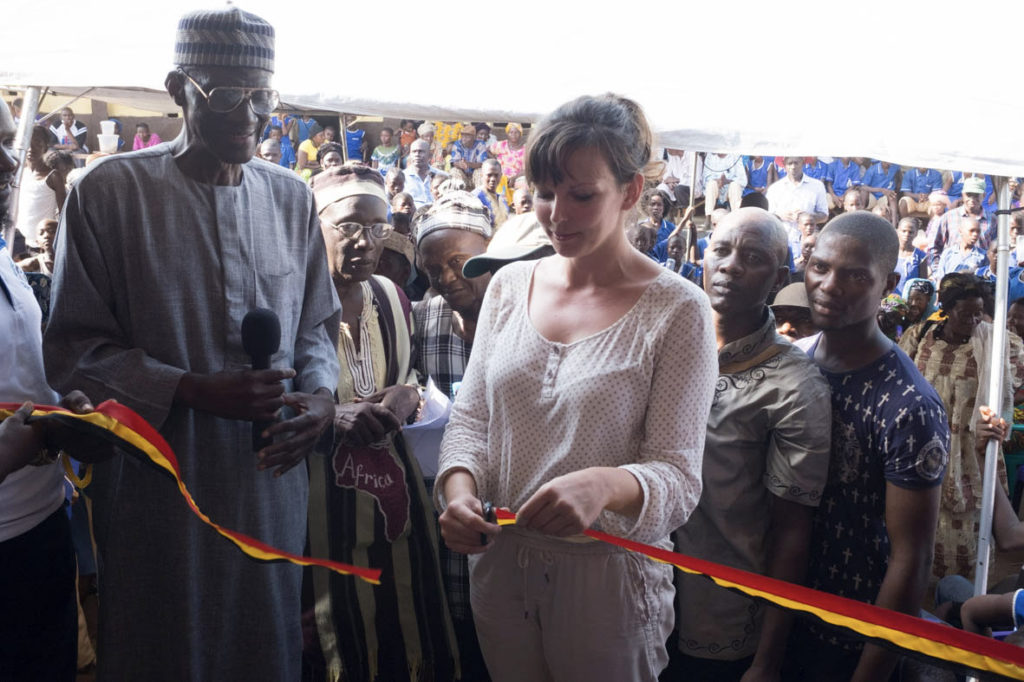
(31, 494)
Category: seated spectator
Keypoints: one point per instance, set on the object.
(793, 312)
(760, 174)
(488, 192)
(816, 168)
(305, 158)
(387, 154)
(880, 181)
(725, 178)
(912, 263)
(967, 255)
(843, 174)
(796, 193)
(522, 201)
(947, 228)
(511, 152)
(270, 150)
(437, 179)
(42, 262)
(329, 155)
(953, 185)
(483, 134)
(938, 204)
(144, 138)
(678, 177)
(468, 153)
(917, 184)
(853, 200)
(69, 134)
(653, 204)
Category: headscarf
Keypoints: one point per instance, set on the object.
(349, 180)
(926, 287)
(455, 210)
(511, 125)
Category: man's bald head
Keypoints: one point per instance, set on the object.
(768, 225)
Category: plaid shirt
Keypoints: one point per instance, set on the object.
(440, 354)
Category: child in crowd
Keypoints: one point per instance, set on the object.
(386, 155)
(408, 135)
(144, 138)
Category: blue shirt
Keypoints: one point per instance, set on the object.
(877, 176)
(954, 259)
(818, 170)
(888, 426)
(910, 267)
(354, 142)
(418, 188)
(1015, 285)
(756, 177)
(475, 154)
(921, 183)
(844, 177)
(956, 189)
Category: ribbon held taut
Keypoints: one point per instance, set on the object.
(133, 435)
(933, 640)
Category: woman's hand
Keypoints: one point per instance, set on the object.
(463, 525)
(462, 522)
(566, 505)
(362, 423)
(990, 426)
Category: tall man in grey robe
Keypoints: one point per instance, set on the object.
(160, 255)
(765, 459)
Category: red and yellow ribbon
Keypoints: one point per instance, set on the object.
(934, 640)
(133, 434)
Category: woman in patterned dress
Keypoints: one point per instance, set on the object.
(953, 355)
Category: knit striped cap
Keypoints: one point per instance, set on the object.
(224, 37)
(456, 210)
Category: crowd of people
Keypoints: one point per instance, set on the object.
(774, 364)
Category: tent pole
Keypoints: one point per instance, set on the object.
(995, 389)
(344, 138)
(29, 109)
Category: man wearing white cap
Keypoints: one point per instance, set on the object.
(160, 255)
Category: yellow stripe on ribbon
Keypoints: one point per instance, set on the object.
(137, 437)
(934, 640)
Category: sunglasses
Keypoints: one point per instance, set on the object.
(225, 98)
(352, 230)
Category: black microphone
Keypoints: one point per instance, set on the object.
(261, 338)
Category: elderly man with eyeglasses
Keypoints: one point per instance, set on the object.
(161, 253)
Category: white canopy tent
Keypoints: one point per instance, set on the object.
(929, 84)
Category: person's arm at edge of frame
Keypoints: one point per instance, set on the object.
(910, 517)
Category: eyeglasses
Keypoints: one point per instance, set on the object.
(352, 230)
(225, 98)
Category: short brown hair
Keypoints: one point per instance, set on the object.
(614, 125)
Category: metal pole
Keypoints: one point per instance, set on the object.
(29, 109)
(995, 389)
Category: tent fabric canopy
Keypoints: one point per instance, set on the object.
(920, 84)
